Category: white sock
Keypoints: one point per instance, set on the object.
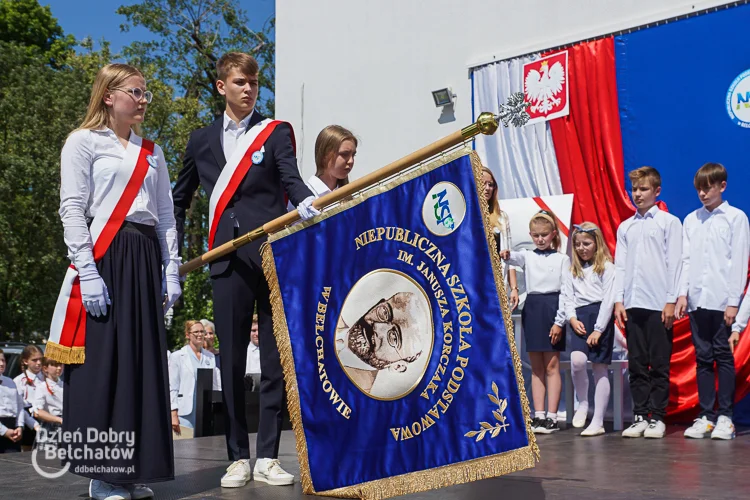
(539, 415)
(601, 394)
(580, 377)
(552, 416)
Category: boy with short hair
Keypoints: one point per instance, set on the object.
(647, 273)
(714, 271)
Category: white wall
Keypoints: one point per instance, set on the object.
(371, 65)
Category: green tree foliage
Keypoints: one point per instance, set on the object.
(189, 37)
(30, 25)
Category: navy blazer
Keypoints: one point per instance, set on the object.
(258, 199)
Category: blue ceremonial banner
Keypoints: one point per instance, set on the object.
(395, 336)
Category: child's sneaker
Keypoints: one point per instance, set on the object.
(548, 426)
(656, 430)
(637, 429)
(724, 429)
(700, 429)
(536, 423)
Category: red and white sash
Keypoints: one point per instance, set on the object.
(67, 337)
(234, 171)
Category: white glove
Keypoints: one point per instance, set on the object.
(94, 293)
(306, 210)
(170, 285)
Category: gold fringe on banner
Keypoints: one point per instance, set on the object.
(64, 354)
(412, 482)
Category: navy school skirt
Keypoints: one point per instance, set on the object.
(123, 384)
(538, 317)
(601, 353)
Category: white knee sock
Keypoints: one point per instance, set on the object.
(580, 376)
(601, 394)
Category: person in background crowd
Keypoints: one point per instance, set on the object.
(588, 290)
(335, 149)
(715, 248)
(48, 405)
(647, 275)
(501, 228)
(29, 382)
(252, 368)
(13, 416)
(209, 341)
(183, 377)
(543, 315)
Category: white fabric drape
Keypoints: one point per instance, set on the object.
(522, 159)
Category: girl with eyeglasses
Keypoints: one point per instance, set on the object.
(119, 227)
(589, 291)
(543, 315)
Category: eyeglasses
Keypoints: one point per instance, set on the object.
(138, 93)
(199, 333)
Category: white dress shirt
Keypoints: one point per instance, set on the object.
(543, 273)
(589, 289)
(252, 364)
(28, 384)
(11, 403)
(232, 133)
(49, 397)
(715, 248)
(87, 165)
(648, 260)
(317, 186)
(743, 315)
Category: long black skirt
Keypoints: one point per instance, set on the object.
(121, 391)
(602, 352)
(537, 318)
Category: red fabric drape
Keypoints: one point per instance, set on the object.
(588, 144)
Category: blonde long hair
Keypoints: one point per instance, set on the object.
(108, 78)
(496, 215)
(327, 145)
(601, 256)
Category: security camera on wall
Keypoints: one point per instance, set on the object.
(443, 97)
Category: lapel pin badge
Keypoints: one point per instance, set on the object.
(152, 161)
(257, 157)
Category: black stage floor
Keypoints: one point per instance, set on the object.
(606, 467)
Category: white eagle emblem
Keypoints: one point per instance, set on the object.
(541, 89)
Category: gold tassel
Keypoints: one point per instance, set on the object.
(64, 354)
(281, 332)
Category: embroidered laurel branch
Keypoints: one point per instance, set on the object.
(501, 425)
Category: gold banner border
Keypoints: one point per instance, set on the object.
(412, 482)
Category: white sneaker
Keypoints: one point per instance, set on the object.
(656, 430)
(238, 474)
(140, 491)
(579, 418)
(637, 429)
(592, 431)
(700, 429)
(724, 429)
(269, 471)
(99, 490)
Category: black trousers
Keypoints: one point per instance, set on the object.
(711, 341)
(236, 293)
(649, 352)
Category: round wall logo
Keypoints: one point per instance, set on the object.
(738, 100)
(443, 209)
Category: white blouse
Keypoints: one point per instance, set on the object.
(589, 289)
(88, 163)
(544, 273)
(49, 397)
